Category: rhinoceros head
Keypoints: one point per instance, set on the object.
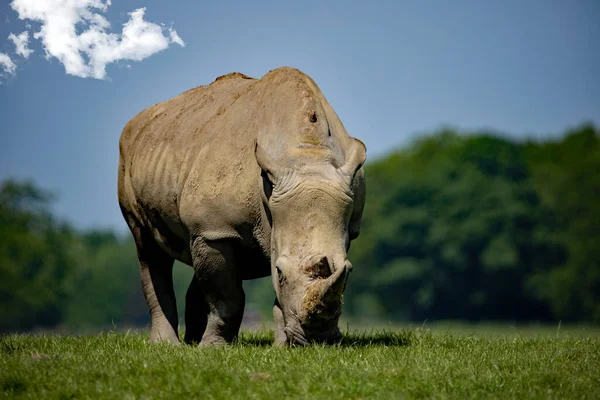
(310, 206)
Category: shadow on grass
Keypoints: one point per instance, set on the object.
(257, 339)
(349, 339)
(376, 338)
(12, 385)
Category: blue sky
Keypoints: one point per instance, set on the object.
(392, 70)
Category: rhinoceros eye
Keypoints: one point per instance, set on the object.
(279, 275)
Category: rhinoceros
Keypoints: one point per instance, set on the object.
(242, 179)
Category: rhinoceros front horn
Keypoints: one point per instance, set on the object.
(355, 158)
(334, 285)
(321, 292)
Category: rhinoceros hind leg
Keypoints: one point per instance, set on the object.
(156, 270)
(196, 312)
(216, 270)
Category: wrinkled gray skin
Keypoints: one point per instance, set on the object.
(241, 179)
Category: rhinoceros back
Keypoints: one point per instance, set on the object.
(159, 149)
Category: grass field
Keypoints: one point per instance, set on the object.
(440, 362)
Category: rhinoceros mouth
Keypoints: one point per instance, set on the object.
(296, 336)
(304, 337)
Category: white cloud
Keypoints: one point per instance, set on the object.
(75, 32)
(21, 42)
(7, 64)
(175, 37)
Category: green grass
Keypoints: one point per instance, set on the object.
(412, 363)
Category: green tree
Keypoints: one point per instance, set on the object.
(107, 285)
(37, 259)
(450, 231)
(566, 176)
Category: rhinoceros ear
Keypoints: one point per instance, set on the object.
(355, 158)
(266, 163)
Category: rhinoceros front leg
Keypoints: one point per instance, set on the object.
(196, 312)
(156, 272)
(216, 272)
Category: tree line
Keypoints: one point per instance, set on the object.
(472, 226)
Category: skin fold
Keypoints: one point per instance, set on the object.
(242, 179)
